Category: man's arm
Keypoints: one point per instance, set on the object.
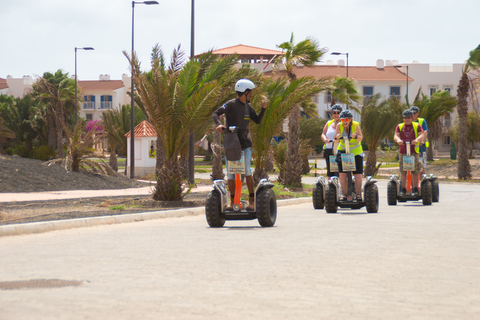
(216, 118)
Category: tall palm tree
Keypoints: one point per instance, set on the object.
(377, 123)
(306, 52)
(344, 90)
(464, 90)
(283, 95)
(178, 98)
(57, 92)
(433, 110)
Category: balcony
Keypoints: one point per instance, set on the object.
(89, 105)
(105, 105)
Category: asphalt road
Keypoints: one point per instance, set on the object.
(406, 262)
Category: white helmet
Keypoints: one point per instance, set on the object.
(243, 85)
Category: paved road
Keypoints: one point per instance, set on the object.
(406, 262)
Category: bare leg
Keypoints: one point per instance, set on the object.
(343, 182)
(358, 183)
(251, 200)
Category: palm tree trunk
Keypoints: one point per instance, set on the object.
(169, 182)
(269, 161)
(51, 131)
(112, 160)
(371, 164)
(464, 171)
(293, 160)
(160, 156)
(59, 125)
(217, 164)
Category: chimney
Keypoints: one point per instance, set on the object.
(380, 64)
(341, 63)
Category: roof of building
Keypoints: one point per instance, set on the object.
(143, 129)
(370, 73)
(3, 84)
(246, 51)
(100, 85)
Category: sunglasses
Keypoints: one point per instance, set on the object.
(336, 112)
(345, 120)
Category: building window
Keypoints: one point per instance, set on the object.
(432, 91)
(89, 103)
(448, 89)
(367, 93)
(328, 96)
(395, 91)
(446, 140)
(89, 117)
(106, 102)
(447, 120)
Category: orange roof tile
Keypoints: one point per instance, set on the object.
(143, 129)
(100, 85)
(243, 50)
(357, 73)
(3, 84)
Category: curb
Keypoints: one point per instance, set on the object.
(47, 226)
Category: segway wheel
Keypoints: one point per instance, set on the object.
(435, 191)
(213, 211)
(427, 193)
(317, 196)
(392, 193)
(371, 198)
(331, 199)
(266, 208)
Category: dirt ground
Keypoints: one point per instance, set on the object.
(26, 175)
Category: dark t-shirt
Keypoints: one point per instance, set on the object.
(408, 135)
(239, 115)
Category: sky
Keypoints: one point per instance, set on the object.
(40, 36)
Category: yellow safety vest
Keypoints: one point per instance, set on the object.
(415, 128)
(355, 145)
(420, 121)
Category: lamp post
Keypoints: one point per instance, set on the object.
(83, 48)
(406, 95)
(340, 53)
(132, 91)
(191, 140)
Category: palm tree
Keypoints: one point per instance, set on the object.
(306, 52)
(4, 131)
(117, 123)
(57, 92)
(177, 99)
(465, 88)
(344, 90)
(283, 95)
(433, 110)
(377, 123)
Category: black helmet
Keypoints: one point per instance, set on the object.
(336, 107)
(346, 114)
(414, 109)
(407, 113)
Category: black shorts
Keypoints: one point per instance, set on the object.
(358, 164)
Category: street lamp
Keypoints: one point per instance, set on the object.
(84, 48)
(191, 140)
(340, 53)
(132, 91)
(406, 95)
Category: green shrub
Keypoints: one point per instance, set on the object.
(43, 153)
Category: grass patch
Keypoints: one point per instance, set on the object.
(117, 207)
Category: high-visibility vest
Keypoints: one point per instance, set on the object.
(415, 128)
(420, 121)
(329, 123)
(355, 145)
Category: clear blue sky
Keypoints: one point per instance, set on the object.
(40, 35)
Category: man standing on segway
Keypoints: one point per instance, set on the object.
(423, 146)
(238, 112)
(412, 132)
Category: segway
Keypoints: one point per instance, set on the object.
(333, 188)
(318, 193)
(265, 203)
(429, 189)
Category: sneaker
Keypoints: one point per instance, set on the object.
(229, 207)
(251, 204)
(343, 198)
(415, 192)
(403, 191)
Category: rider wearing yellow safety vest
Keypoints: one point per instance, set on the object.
(328, 135)
(412, 132)
(350, 129)
(423, 147)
